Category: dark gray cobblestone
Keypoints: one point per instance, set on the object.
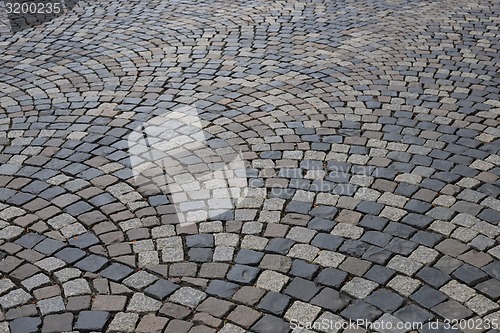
(370, 132)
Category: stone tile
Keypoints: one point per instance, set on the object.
(272, 281)
(359, 309)
(242, 274)
(301, 289)
(469, 275)
(268, 324)
(428, 297)
(330, 299)
(123, 322)
(151, 324)
(25, 325)
(215, 307)
(175, 311)
(109, 303)
(188, 296)
(222, 288)
(413, 313)
(116, 272)
(92, 320)
(385, 300)
(276, 262)
(359, 287)
(57, 323)
(274, 302)
(161, 289)
(248, 295)
(244, 316)
(331, 277)
(452, 310)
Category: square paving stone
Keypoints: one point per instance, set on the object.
(109, 303)
(244, 316)
(330, 299)
(274, 302)
(428, 297)
(28, 310)
(401, 246)
(373, 222)
(51, 305)
(379, 274)
(303, 269)
(140, 280)
(200, 254)
(433, 276)
(331, 277)
(243, 274)
(370, 207)
(161, 289)
(91, 263)
(447, 264)
(493, 269)
(213, 270)
(248, 295)
(57, 323)
(250, 257)
(183, 269)
(385, 300)
(302, 289)
(355, 266)
(78, 303)
(359, 309)
(327, 241)
(215, 307)
(469, 275)
(84, 241)
(417, 220)
(417, 206)
(271, 324)
(70, 254)
(201, 240)
(25, 325)
(222, 288)
(279, 245)
(116, 272)
(24, 271)
(9, 263)
(413, 313)
(92, 320)
(276, 262)
(178, 326)
(300, 207)
(426, 238)
(48, 246)
(377, 255)
(490, 288)
(452, 310)
(151, 324)
(354, 248)
(399, 230)
(378, 238)
(176, 311)
(30, 240)
(321, 224)
(451, 247)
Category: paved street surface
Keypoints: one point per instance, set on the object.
(370, 136)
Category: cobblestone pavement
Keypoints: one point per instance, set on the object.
(378, 121)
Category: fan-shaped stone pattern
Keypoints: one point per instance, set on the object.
(370, 136)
